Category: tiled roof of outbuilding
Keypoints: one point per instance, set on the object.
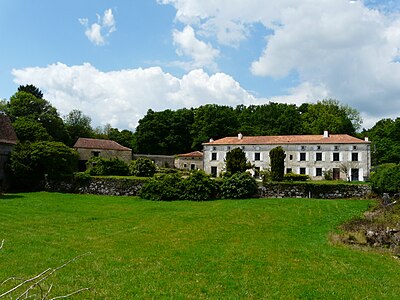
(87, 143)
(7, 132)
(288, 139)
(191, 154)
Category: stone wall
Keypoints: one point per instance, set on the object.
(315, 190)
(98, 186)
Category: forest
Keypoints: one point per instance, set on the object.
(172, 132)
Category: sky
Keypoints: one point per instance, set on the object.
(115, 59)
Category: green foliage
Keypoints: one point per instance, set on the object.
(166, 187)
(103, 167)
(296, 177)
(239, 186)
(124, 137)
(143, 167)
(266, 176)
(199, 187)
(329, 115)
(213, 121)
(28, 129)
(33, 160)
(78, 125)
(236, 161)
(385, 141)
(25, 104)
(328, 174)
(82, 178)
(386, 179)
(277, 156)
(31, 89)
(166, 132)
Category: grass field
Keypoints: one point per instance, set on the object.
(245, 249)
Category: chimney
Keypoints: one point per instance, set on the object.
(211, 140)
(366, 139)
(240, 136)
(326, 134)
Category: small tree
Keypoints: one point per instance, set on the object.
(386, 179)
(236, 161)
(239, 186)
(277, 156)
(142, 166)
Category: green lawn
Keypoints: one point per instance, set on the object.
(242, 249)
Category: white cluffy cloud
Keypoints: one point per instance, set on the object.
(202, 55)
(98, 32)
(344, 49)
(121, 98)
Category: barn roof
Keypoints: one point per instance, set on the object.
(87, 143)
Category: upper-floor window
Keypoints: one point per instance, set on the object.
(318, 156)
(336, 147)
(354, 156)
(303, 147)
(214, 156)
(318, 147)
(96, 153)
(336, 156)
(228, 148)
(354, 147)
(257, 156)
(214, 148)
(302, 156)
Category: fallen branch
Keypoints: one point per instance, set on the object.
(2, 243)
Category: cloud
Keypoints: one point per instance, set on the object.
(202, 55)
(98, 32)
(348, 50)
(122, 97)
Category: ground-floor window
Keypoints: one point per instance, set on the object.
(214, 171)
(355, 175)
(289, 170)
(192, 167)
(318, 172)
(302, 170)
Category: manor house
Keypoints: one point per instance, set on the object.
(347, 157)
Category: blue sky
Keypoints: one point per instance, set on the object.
(115, 59)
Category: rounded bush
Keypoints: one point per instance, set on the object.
(239, 186)
(386, 179)
(103, 167)
(199, 186)
(143, 167)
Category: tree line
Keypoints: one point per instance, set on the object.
(183, 130)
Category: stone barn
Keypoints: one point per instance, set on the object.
(189, 161)
(88, 148)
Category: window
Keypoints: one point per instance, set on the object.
(302, 156)
(336, 156)
(336, 148)
(303, 147)
(354, 157)
(318, 156)
(318, 147)
(289, 170)
(257, 156)
(214, 171)
(354, 147)
(318, 172)
(185, 165)
(214, 156)
(302, 170)
(257, 172)
(96, 153)
(291, 157)
(228, 148)
(214, 148)
(192, 167)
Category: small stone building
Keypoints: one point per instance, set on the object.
(189, 161)
(8, 139)
(88, 148)
(161, 161)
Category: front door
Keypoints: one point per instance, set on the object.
(336, 173)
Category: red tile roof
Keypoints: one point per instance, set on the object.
(87, 143)
(191, 154)
(288, 139)
(7, 132)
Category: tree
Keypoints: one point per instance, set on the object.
(236, 161)
(385, 141)
(33, 160)
(277, 156)
(124, 137)
(164, 132)
(24, 104)
(329, 115)
(386, 179)
(213, 121)
(78, 125)
(31, 89)
(30, 130)
(143, 166)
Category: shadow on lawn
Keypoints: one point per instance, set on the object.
(10, 197)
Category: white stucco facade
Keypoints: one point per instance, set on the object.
(305, 154)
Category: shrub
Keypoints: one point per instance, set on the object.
(199, 186)
(143, 167)
(82, 178)
(32, 161)
(296, 177)
(266, 176)
(102, 167)
(236, 161)
(163, 187)
(328, 174)
(238, 186)
(386, 179)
